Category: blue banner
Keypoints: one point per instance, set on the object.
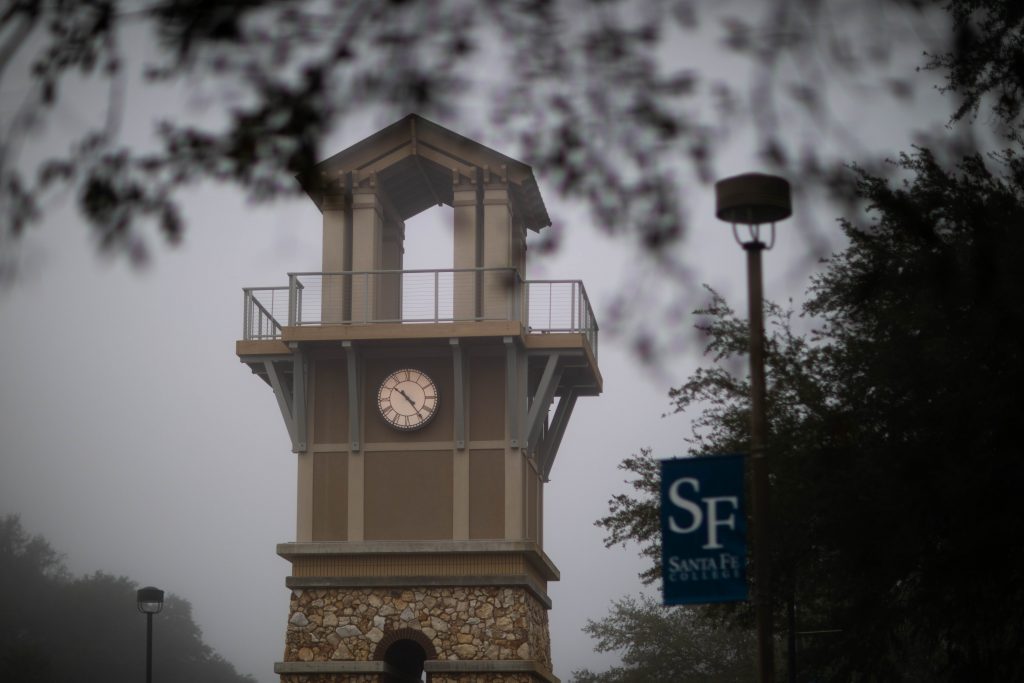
(703, 530)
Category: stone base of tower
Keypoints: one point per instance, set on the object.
(433, 678)
(476, 616)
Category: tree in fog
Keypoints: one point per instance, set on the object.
(892, 434)
(55, 628)
(667, 644)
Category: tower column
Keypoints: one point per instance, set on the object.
(337, 256)
(500, 288)
(367, 250)
(467, 240)
(392, 256)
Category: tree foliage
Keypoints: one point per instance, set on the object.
(596, 96)
(668, 644)
(587, 90)
(892, 433)
(988, 58)
(56, 628)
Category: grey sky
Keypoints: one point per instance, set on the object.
(134, 440)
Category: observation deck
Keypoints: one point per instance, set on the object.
(381, 305)
(478, 321)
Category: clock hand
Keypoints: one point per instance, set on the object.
(411, 402)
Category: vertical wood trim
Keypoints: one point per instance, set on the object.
(299, 396)
(511, 393)
(460, 494)
(478, 234)
(514, 509)
(459, 391)
(304, 497)
(356, 485)
(521, 395)
(524, 493)
(540, 513)
(354, 401)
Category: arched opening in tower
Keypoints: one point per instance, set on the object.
(429, 239)
(429, 245)
(404, 659)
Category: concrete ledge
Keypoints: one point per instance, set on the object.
(490, 666)
(311, 582)
(261, 347)
(430, 666)
(378, 547)
(380, 331)
(330, 667)
(541, 562)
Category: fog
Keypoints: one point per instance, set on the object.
(133, 439)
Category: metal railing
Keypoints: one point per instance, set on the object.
(405, 296)
(554, 306)
(263, 307)
(419, 296)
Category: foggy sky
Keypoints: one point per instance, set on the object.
(134, 440)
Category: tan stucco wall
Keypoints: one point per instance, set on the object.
(408, 495)
(330, 401)
(415, 485)
(486, 397)
(532, 503)
(330, 497)
(486, 493)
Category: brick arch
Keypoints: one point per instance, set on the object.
(412, 634)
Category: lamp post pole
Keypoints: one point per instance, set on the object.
(149, 647)
(759, 465)
(149, 601)
(753, 200)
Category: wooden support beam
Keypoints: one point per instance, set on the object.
(542, 399)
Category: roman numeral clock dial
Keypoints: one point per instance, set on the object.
(407, 399)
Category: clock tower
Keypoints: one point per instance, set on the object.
(425, 409)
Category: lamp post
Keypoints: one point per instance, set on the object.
(149, 601)
(749, 202)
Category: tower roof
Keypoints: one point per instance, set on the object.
(416, 163)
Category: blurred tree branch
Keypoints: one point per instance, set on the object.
(593, 94)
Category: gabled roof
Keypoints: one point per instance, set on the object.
(416, 162)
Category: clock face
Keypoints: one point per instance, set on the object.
(407, 399)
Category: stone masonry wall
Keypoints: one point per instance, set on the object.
(331, 678)
(485, 622)
(482, 678)
(435, 678)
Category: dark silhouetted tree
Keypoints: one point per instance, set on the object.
(57, 629)
(893, 434)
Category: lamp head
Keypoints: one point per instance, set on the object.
(150, 600)
(752, 200)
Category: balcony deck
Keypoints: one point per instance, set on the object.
(417, 303)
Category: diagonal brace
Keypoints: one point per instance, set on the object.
(542, 399)
(556, 430)
(284, 398)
